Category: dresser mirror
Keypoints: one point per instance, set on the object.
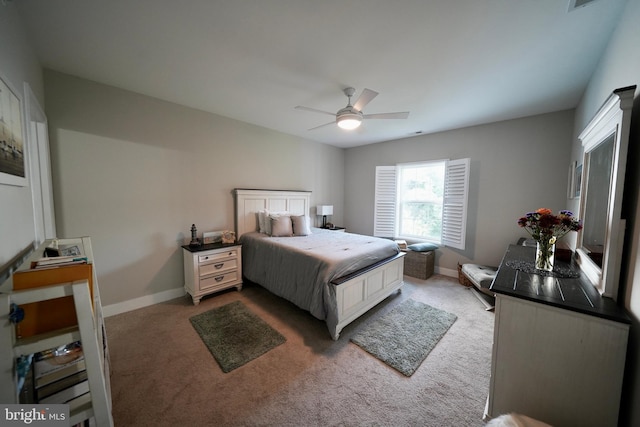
(605, 142)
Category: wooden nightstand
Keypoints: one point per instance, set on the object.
(211, 268)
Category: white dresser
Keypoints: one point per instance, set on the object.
(559, 347)
(211, 268)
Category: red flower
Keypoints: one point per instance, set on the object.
(542, 224)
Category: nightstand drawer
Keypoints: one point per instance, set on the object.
(218, 280)
(218, 266)
(218, 256)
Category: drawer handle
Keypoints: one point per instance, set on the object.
(219, 266)
(230, 253)
(219, 278)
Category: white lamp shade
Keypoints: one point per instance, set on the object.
(324, 210)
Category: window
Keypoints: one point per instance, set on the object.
(419, 200)
(423, 201)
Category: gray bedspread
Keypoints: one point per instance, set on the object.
(300, 268)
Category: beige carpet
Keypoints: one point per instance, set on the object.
(163, 374)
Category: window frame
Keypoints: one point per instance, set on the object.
(455, 201)
(401, 199)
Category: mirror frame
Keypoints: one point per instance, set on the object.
(613, 118)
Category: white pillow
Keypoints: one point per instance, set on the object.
(301, 225)
(281, 226)
(269, 217)
(263, 218)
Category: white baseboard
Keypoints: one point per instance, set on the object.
(446, 272)
(147, 300)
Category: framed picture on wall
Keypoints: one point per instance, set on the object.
(571, 179)
(13, 148)
(577, 181)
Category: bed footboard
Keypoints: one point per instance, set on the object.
(359, 292)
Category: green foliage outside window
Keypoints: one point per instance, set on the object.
(421, 193)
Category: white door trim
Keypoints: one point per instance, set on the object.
(40, 167)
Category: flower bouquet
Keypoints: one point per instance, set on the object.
(546, 228)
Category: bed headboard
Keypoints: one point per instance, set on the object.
(249, 202)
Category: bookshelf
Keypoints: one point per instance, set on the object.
(61, 306)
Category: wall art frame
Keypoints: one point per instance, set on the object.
(571, 180)
(577, 182)
(13, 144)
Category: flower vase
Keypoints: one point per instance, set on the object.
(545, 254)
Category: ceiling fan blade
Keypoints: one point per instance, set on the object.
(365, 97)
(321, 126)
(314, 110)
(400, 115)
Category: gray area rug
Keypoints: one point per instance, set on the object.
(234, 335)
(404, 337)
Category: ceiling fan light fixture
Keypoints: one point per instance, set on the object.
(350, 117)
(349, 121)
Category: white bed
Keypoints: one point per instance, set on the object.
(342, 294)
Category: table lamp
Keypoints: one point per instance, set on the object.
(324, 210)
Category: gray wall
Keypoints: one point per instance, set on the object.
(18, 64)
(134, 173)
(516, 166)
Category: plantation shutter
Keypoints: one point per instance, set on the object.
(454, 210)
(384, 219)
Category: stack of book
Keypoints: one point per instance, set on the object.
(58, 376)
(60, 261)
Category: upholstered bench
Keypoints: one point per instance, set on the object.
(480, 276)
(419, 260)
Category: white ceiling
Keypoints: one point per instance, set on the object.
(451, 63)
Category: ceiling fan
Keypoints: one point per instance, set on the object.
(351, 116)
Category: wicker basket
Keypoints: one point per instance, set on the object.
(419, 264)
(464, 280)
